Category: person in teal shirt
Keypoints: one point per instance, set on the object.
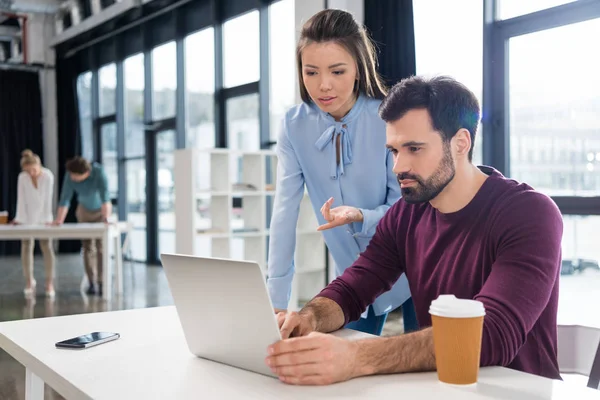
(91, 185)
(334, 144)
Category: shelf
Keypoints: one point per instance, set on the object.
(247, 193)
(207, 193)
(237, 193)
(248, 234)
(213, 234)
(222, 204)
(308, 232)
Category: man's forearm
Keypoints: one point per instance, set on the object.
(61, 214)
(413, 352)
(106, 210)
(327, 316)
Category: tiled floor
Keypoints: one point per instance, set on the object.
(144, 286)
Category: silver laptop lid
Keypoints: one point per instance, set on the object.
(224, 309)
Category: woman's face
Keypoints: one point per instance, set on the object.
(329, 74)
(33, 170)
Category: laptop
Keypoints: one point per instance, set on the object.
(224, 309)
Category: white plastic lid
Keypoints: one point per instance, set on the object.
(3, 212)
(447, 305)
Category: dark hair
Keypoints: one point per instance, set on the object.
(78, 165)
(340, 27)
(451, 105)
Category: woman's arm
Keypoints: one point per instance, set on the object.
(282, 239)
(48, 215)
(366, 219)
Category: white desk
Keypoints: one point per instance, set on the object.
(151, 361)
(106, 232)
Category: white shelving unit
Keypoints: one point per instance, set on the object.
(222, 203)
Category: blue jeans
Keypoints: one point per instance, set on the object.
(409, 315)
(373, 324)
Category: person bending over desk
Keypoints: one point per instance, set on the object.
(35, 188)
(458, 229)
(91, 185)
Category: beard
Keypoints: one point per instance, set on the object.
(427, 190)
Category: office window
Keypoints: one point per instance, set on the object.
(451, 46)
(550, 99)
(84, 102)
(107, 84)
(241, 50)
(164, 81)
(108, 134)
(514, 8)
(282, 62)
(133, 71)
(243, 129)
(200, 88)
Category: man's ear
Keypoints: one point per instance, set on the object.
(462, 142)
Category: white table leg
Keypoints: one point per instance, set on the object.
(34, 386)
(118, 261)
(107, 272)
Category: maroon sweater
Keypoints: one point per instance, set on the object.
(503, 249)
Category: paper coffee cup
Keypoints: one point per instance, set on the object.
(3, 217)
(457, 329)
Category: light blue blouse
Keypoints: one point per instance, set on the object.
(363, 179)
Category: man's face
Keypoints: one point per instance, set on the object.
(423, 163)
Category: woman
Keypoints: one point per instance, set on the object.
(334, 143)
(35, 189)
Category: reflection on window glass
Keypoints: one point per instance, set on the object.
(241, 50)
(580, 271)
(200, 87)
(133, 71)
(164, 81)
(109, 157)
(282, 50)
(165, 145)
(84, 101)
(107, 83)
(554, 137)
(458, 52)
(136, 207)
(243, 129)
(514, 8)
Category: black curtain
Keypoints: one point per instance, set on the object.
(391, 25)
(20, 128)
(69, 139)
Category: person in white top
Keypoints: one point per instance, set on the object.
(35, 189)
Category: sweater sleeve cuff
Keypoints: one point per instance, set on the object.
(333, 294)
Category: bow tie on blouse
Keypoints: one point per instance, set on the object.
(329, 138)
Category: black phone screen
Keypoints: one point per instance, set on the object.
(89, 338)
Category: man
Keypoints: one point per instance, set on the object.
(91, 185)
(458, 229)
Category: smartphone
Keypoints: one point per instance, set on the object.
(89, 340)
